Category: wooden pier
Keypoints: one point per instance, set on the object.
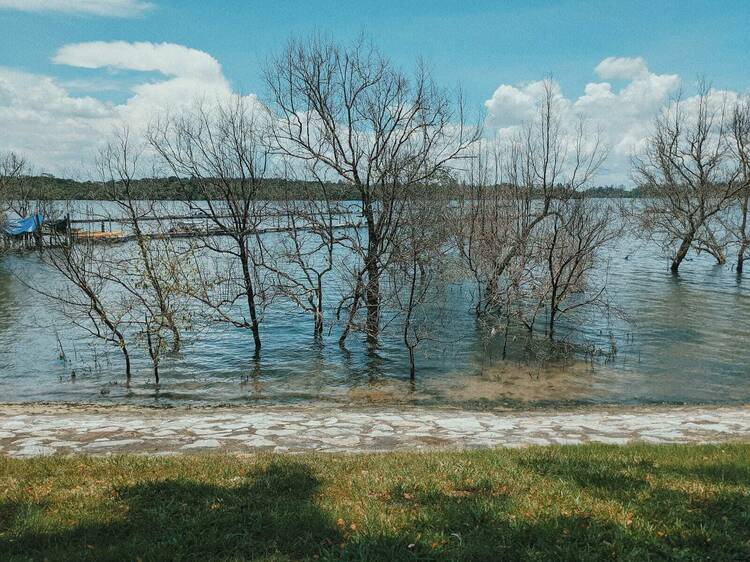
(55, 232)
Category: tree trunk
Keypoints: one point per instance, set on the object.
(352, 311)
(372, 302)
(250, 293)
(552, 319)
(407, 320)
(372, 288)
(152, 353)
(741, 257)
(681, 252)
(318, 311)
(552, 311)
(126, 355)
(743, 234)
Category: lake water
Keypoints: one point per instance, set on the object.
(686, 340)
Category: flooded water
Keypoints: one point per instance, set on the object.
(685, 340)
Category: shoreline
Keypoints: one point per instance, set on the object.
(531, 409)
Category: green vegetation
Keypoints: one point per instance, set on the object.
(50, 188)
(560, 503)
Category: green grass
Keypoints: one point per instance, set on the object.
(557, 503)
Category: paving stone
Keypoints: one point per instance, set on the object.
(98, 444)
(34, 451)
(306, 428)
(203, 444)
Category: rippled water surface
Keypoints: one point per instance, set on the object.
(686, 340)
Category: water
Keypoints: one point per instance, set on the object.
(686, 340)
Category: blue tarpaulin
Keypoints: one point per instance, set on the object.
(23, 226)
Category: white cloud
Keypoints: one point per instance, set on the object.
(167, 58)
(511, 105)
(43, 120)
(623, 115)
(622, 68)
(109, 8)
(58, 131)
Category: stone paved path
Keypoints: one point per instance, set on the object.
(39, 430)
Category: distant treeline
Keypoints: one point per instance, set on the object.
(172, 189)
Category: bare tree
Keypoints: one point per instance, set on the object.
(416, 275)
(12, 167)
(157, 261)
(304, 254)
(569, 250)
(223, 152)
(376, 128)
(480, 219)
(87, 297)
(687, 175)
(740, 138)
(518, 184)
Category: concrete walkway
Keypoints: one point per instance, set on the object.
(31, 430)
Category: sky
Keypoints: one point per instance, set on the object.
(72, 70)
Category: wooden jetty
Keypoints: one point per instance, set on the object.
(55, 232)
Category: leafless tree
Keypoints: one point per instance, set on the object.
(144, 318)
(157, 261)
(20, 192)
(303, 254)
(570, 251)
(223, 152)
(416, 275)
(740, 138)
(12, 167)
(480, 217)
(87, 297)
(381, 131)
(519, 183)
(688, 175)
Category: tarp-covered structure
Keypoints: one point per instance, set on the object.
(26, 225)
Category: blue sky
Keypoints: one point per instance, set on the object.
(479, 44)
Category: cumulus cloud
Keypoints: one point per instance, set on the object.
(167, 58)
(59, 131)
(622, 68)
(108, 8)
(191, 74)
(513, 105)
(42, 119)
(624, 115)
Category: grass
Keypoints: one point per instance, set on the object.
(557, 503)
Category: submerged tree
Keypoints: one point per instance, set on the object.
(518, 186)
(87, 297)
(569, 252)
(740, 139)
(224, 153)
(304, 256)
(153, 271)
(12, 167)
(416, 272)
(383, 132)
(688, 175)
